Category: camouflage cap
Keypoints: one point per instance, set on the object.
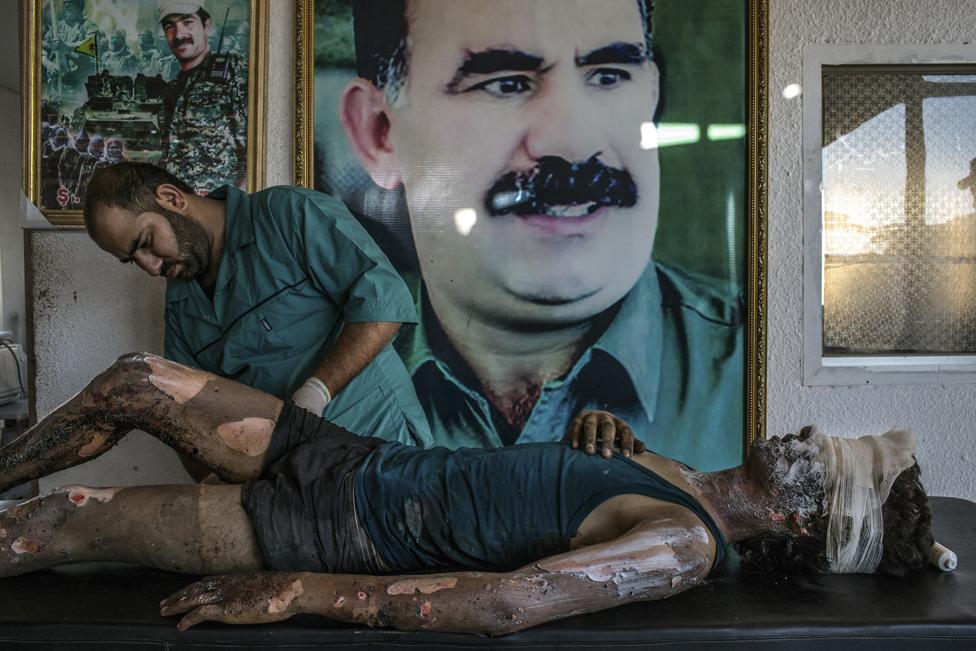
(178, 7)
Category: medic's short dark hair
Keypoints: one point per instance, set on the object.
(128, 185)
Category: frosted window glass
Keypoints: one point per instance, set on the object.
(899, 212)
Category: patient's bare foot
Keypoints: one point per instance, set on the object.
(32, 534)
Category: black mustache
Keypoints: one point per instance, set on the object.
(554, 181)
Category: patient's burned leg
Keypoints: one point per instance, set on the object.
(194, 529)
(225, 425)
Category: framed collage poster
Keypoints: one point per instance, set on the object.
(177, 84)
(575, 193)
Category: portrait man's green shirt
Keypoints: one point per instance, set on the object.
(296, 266)
(670, 364)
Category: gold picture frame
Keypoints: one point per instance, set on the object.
(755, 100)
(33, 96)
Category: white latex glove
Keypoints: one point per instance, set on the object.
(312, 396)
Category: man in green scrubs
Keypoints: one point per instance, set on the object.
(282, 290)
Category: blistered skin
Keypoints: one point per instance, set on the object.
(779, 488)
(423, 586)
(225, 425)
(793, 473)
(249, 436)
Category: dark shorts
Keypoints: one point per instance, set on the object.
(303, 508)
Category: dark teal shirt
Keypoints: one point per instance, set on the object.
(670, 364)
(296, 267)
(494, 510)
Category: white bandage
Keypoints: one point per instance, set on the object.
(860, 473)
(313, 396)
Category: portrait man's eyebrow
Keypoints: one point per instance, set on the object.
(620, 53)
(494, 60)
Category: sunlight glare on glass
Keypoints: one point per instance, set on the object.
(648, 136)
(792, 90)
(725, 131)
(464, 220)
(950, 79)
(668, 135)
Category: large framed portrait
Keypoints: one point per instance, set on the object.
(575, 193)
(174, 83)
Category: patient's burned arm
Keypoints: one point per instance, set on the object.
(663, 555)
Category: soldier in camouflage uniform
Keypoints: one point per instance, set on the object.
(93, 160)
(114, 151)
(204, 116)
(239, 41)
(50, 157)
(70, 164)
(119, 60)
(152, 61)
(61, 63)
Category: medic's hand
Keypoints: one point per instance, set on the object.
(256, 598)
(591, 427)
(312, 396)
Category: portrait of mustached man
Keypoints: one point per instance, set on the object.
(515, 136)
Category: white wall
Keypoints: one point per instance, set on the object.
(72, 343)
(942, 416)
(13, 311)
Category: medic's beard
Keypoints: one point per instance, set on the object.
(557, 188)
(193, 245)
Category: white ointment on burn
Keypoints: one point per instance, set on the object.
(79, 495)
(280, 603)
(180, 383)
(423, 586)
(699, 533)
(252, 436)
(641, 562)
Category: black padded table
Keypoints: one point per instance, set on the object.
(116, 608)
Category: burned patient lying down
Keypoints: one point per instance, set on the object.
(317, 520)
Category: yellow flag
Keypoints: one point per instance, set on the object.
(89, 47)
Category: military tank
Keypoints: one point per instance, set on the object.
(127, 108)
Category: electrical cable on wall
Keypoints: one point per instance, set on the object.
(6, 343)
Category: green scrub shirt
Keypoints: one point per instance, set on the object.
(296, 267)
(670, 364)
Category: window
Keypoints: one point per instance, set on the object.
(890, 212)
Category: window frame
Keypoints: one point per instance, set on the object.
(819, 369)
